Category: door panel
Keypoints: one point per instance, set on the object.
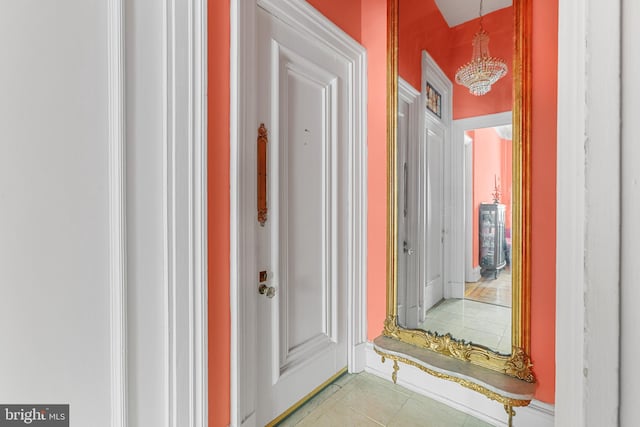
(434, 210)
(404, 240)
(302, 244)
(301, 330)
(410, 297)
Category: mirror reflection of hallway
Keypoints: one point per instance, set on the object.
(483, 315)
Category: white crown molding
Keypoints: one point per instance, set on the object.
(537, 414)
(117, 215)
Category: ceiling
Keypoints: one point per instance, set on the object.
(456, 12)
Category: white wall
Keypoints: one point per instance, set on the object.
(630, 231)
(145, 104)
(54, 211)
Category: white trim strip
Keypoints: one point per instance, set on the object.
(185, 206)
(198, 213)
(117, 216)
(570, 244)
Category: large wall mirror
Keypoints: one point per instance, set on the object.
(458, 216)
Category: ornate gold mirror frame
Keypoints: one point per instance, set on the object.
(518, 363)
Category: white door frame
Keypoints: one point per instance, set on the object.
(166, 368)
(185, 195)
(470, 274)
(244, 123)
(588, 216)
(452, 281)
(459, 127)
(630, 176)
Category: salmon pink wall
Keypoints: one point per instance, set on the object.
(218, 211)
(367, 25)
(345, 14)
(543, 194)
(422, 27)
(374, 34)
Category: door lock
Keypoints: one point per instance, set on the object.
(268, 291)
(406, 249)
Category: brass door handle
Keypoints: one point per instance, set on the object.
(268, 291)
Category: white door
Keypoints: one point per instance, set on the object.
(405, 243)
(434, 210)
(302, 328)
(410, 292)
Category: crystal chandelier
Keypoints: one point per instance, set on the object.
(483, 70)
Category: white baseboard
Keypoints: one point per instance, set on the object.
(359, 358)
(456, 290)
(537, 414)
(473, 275)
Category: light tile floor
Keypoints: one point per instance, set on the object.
(366, 400)
(480, 323)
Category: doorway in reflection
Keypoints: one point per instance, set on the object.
(489, 205)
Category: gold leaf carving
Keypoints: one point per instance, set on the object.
(520, 365)
(516, 365)
(391, 327)
(507, 401)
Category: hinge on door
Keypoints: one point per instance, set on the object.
(262, 174)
